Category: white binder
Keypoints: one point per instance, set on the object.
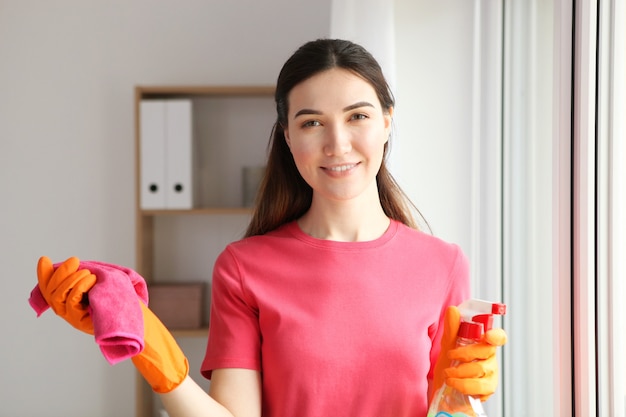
(152, 154)
(166, 154)
(178, 155)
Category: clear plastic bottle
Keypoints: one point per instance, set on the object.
(448, 402)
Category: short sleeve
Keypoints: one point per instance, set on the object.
(457, 291)
(234, 334)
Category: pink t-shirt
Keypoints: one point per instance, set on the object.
(335, 328)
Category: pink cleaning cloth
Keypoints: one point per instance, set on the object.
(114, 309)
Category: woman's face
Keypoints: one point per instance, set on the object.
(336, 132)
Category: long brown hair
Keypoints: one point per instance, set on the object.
(284, 196)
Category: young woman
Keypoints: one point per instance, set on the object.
(335, 302)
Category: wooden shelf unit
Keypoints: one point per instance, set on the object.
(146, 220)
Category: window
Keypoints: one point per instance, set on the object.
(538, 85)
(536, 133)
(563, 208)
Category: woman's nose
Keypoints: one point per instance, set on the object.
(338, 141)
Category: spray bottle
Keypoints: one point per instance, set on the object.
(476, 319)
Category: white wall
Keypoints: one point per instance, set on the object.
(432, 148)
(67, 72)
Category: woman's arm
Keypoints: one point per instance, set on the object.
(239, 390)
(233, 393)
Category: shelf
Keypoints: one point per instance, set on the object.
(230, 128)
(201, 332)
(172, 91)
(198, 211)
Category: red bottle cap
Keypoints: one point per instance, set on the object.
(471, 330)
(485, 319)
(498, 308)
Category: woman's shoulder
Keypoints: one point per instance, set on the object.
(426, 247)
(409, 235)
(278, 236)
(434, 253)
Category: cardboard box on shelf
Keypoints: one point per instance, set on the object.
(178, 305)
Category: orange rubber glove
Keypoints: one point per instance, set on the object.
(477, 371)
(65, 288)
(451, 323)
(476, 374)
(162, 363)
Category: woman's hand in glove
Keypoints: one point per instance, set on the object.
(65, 290)
(476, 372)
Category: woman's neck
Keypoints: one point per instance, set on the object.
(344, 221)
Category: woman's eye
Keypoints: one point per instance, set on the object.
(310, 123)
(359, 116)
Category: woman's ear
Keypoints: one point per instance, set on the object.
(388, 120)
(287, 140)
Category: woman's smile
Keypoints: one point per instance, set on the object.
(340, 170)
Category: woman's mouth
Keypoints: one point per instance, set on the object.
(340, 168)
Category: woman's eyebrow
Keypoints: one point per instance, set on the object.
(307, 111)
(345, 109)
(357, 105)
